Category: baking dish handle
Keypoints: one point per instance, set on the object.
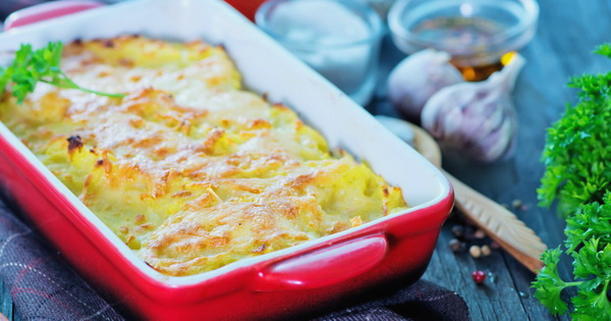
(46, 11)
(55, 9)
(323, 267)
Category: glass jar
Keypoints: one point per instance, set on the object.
(480, 35)
(338, 38)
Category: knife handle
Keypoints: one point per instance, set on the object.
(500, 224)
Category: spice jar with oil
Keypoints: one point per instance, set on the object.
(479, 35)
(458, 82)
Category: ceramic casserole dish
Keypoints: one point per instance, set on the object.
(272, 285)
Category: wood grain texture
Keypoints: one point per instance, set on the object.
(500, 224)
(567, 33)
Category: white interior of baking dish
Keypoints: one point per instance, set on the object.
(266, 68)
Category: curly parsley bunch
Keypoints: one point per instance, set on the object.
(577, 157)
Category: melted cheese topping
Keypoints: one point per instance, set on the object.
(189, 170)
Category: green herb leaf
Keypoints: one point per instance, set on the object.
(604, 49)
(577, 156)
(591, 302)
(590, 221)
(549, 285)
(42, 65)
(578, 148)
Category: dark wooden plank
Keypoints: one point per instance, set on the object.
(497, 299)
(568, 31)
(540, 97)
(567, 35)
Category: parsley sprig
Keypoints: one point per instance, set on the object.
(41, 65)
(577, 156)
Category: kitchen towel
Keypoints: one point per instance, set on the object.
(44, 287)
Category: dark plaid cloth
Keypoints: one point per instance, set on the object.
(422, 301)
(44, 287)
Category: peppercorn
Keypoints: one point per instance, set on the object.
(458, 230)
(486, 250)
(469, 233)
(475, 251)
(456, 245)
(516, 204)
(478, 276)
(479, 234)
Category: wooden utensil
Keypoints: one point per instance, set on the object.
(500, 224)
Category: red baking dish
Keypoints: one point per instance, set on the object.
(273, 285)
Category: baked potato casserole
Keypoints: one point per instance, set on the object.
(189, 169)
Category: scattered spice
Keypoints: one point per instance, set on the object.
(486, 250)
(468, 238)
(478, 276)
(475, 251)
(456, 245)
(517, 204)
(469, 233)
(479, 234)
(458, 230)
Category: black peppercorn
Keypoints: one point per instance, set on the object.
(458, 230)
(456, 245)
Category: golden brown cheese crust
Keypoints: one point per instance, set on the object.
(189, 170)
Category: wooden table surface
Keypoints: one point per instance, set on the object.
(568, 31)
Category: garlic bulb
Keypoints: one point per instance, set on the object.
(418, 77)
(477, 118)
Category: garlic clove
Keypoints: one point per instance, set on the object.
(418, 77)
(477, 118)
